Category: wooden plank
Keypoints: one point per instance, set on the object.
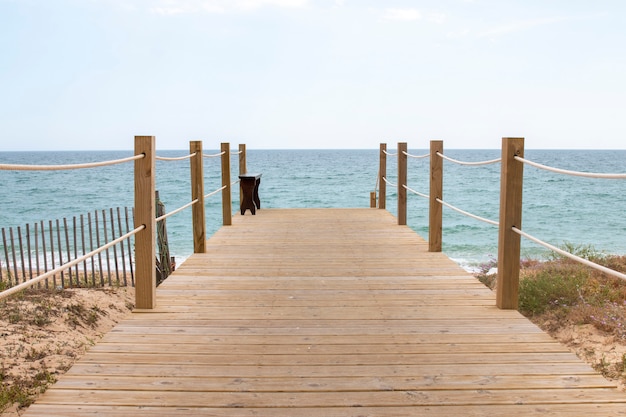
(382, 398)
(545, 410)
(323, 384)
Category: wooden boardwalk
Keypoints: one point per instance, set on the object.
(326, 312)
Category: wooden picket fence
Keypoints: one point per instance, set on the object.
(32, 250)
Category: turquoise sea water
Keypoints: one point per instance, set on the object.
(557, 208)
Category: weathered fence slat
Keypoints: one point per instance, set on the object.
(130, 249)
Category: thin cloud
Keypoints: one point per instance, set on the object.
(438, 18)
(174, 7)
(522, 25)
(405, 15)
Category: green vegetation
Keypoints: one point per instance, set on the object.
(561, 292)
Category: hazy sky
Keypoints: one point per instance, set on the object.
(91, 74)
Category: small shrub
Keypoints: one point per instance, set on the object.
(550, 288)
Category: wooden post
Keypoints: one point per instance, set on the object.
(382, 174)
(373, 199)
(197, 192)
(226, 192)
(511, 180)
(435, 215)
(402, 182)
(145, 251)
(242, 167)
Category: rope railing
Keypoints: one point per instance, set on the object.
(68, 265)
(416, 156)
(389, 153)
(178, 210)
(511, 181)
(389, 182)
(477, 163)
(416, 192)
(17, 167)
(174, 158)
(377, 181)
(212, 193)
(570, 255)
(215, 155)
(467, 213)
(568, 172)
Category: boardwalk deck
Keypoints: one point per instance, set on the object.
(329, 312)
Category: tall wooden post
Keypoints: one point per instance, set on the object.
(242, 166)
(402, 182)
(511, 180)
(197, 192)
(227, 203)
(145, 251)
(435, 215)
(382, 174)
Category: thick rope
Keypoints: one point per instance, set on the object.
(568, 172)
(390, 154)
(234, 182)
(389, 182)
(468, 214)
(456, 161)
(171, 213)
(236, 153)
(175, 158)
(214, 155)
(377, 181)
(415, 156)
(570, 255)
(416, 192)
(214, 192)
(14, 167)
(68, 265)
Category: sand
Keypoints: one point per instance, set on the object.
(43, 333)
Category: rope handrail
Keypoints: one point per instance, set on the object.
(570, 255)
(216, 155)
(212, 193)
(234, 182)
(466, 213)
(174, 158)
(389, 182)
(68, 265)
(235, 153)
(17, 167)
(389, 154)
(456, 161)
(377, 181)
(568, 172)
(416, 192)
(415, 156)
(171, 213)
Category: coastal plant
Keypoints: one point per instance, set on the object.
(585, 251)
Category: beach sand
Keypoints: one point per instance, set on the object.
(44, 332)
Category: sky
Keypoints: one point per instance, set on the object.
(286, 74)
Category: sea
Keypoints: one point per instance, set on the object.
(559, 209)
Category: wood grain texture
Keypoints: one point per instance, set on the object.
(326, 312)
